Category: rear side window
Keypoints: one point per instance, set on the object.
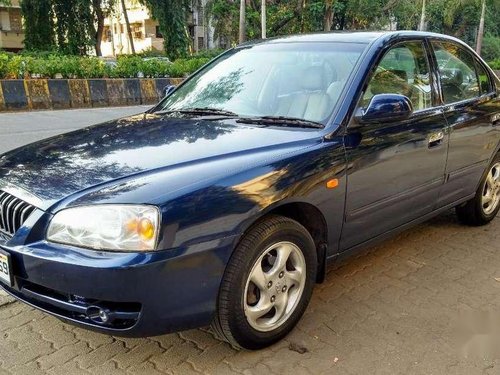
(457, 71)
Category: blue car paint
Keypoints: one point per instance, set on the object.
(213, 178)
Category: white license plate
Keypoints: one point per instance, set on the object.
(5, 269)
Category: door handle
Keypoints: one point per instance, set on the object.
(435, 139)
(495, 119)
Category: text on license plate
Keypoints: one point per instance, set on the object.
(4, 269)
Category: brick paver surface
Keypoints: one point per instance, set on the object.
(392, 310)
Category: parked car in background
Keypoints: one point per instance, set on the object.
(224, 203)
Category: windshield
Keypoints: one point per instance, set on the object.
(297, 80)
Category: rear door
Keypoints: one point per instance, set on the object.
(396, 171)
(472, 110)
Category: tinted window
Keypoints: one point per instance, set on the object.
(457, 72)
(484, 79)
(403, 70)
(301, 80)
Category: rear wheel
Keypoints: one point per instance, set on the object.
(267, 284)
(485, 205)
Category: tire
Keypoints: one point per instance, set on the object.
(287, 288)
(477, 211)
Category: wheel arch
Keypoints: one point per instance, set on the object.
(309, 216)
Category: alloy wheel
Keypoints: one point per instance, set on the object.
(274, 286)
(491, 191)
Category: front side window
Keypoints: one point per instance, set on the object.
(457, 72)
(484, 79)
(299, 80)
(403, 70)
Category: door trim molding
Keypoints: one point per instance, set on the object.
(366, 210)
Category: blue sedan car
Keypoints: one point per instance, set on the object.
(224, 203)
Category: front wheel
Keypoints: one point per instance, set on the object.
(485, 205)
(267, 284)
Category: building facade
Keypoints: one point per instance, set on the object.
(11, 27)
(145, 30)
(200, 29)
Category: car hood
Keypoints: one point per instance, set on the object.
(58, 167)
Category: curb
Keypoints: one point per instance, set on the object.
(38, 94)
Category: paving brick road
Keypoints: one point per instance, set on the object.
(393, 310)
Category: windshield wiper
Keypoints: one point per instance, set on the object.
(200, 111)
(281, 121)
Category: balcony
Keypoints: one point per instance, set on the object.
(11, 40)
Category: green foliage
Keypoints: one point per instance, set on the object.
(51, 65)
(206, 54)
(78, 24)
(495, 64)
(183, 67)
(455, 17)
(171, 16)
(63, 25)
(491, 48)
(75, 26)
(38, 24)
(4, 61)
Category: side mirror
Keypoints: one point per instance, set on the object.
(386, 108)
(167, 90)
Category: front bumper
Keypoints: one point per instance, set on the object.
(143, 294)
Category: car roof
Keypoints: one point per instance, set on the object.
(364, 37)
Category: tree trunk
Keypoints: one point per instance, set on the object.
(480, 32)
(242, 21)
(129, 30)
(264, 19)
(99, 16)
(302, 24)
(421, 27)
(328, 19)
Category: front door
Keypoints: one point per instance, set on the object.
(396, 170)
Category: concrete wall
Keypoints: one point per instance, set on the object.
(37, 94)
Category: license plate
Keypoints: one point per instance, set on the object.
(5, 268)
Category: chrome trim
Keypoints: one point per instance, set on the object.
(436, 137)
(25, 213)
(3, 197)
(6, 213)
(21, 193)
(13, 213)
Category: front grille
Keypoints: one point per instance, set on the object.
(13, 213)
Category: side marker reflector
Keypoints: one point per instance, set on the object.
(332, 184)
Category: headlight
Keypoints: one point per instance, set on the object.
(107, 227)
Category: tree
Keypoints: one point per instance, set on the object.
(39, 25)
(480, 32)
(263, 19)
(421, 27)
(75, 28)
(101, 9)
(242, 28)
(127, 24)
(328, 18)
(171, 16)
